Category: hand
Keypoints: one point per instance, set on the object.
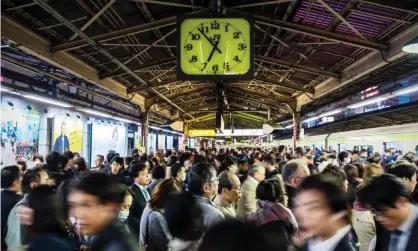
(215, 45)
(213, 50)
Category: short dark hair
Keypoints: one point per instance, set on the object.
(175, 169)
(110, 156)
(32, 175)
(47, 210)
(158, 172)
(134, 170)
(402, 169)
(224, 181)
(336, 199)
(81, 165)
(200, 174)
(135, 156)
(282, 148)
(410, 156)
(220, 157)
(38, 156)
(68, 154)
(351, 172)
(23, 164)
(300, 150)
(76, 154)
(271, 190)
(118, 160)
(173, 160)
(101, 186)
(364, 151)
(55, 161)
(184, 156)
(100, 156)
(269, 159)
(9, 174)
(128, 161)
(335, 175)
(382, 191)
(355, 152)
(162, 193)
(343, 155)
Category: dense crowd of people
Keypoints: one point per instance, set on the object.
(226, 199)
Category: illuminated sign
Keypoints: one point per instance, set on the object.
(369, 92)
(237, 132)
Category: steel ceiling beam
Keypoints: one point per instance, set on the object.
(259, 93)
(140, 67)
(315, 32)
(96, 45)
(116, 34)
(171, 4)
(282, 84)
(259, 4)
(298, 66)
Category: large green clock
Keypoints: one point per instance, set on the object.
(215, 48)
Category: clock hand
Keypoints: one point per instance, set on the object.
(210, 41)
(213, 50)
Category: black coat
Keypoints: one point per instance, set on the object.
(121, 177)
(113, 238)
(136, 210)
(8, 200)
(383, 238)
(343, 245)
(291, 193)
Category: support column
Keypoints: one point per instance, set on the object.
(186, 136)
(296, 129)
(268, 114)
(144, 131)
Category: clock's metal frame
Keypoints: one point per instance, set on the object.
(184, 76)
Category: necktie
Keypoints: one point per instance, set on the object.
(394, 240)
(146, 194)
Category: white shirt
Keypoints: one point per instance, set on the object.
(253, 180)
(330, 244)
(406, 228)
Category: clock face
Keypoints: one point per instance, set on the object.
(215, 46)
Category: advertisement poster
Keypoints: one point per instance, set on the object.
(161, 142)
(68, 134)
(19, 135)
(108, 137)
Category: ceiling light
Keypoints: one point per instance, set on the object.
(411, 46)
(323, 115)
(368, 102)
(95, 113)
(47, 100)
(9, 91)
(407, 90)
(289, 126)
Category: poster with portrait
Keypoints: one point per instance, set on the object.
(19, 135)
(107, 137)
(68, 134)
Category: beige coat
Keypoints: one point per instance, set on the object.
(248, 202)
(225, 207)
(364, 226)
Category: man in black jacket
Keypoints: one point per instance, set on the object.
(139, 173)
(388, 196)
(11, 186)
(95, 200)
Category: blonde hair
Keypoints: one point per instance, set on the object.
(371, 171)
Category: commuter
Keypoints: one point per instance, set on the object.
(70, 157)
(293, 174)
(140, 174)
(354, 180)
(258, 158)
(117, 171)
(37, 159)
(300, 153)
(154, 234)
(271, 206)
(80, 167)
(48, 228)
(203, 184)
(411, 157)
(185, 222)
(270, 166)
(372, 170)
(344, 158)
(55, 165)
(406, 171)
(10, 196)
(363, 155)
(125, 206)
(235, 235)
(229, 193)
(355, 156)
(128, 161)
(178, 172)
(388, 197)
(76, 155)
(242, 170)
(323, 162)
(110, 155)
(374, 160)
(185, 160)
(17, 233)
(322, 211)
(100, 167)
(248, 202)
(22, 166)
(229, 164)
(95, 200)
(387, 157)
(157, 175)
(282, 151)
(337, 176)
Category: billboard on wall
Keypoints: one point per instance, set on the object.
(68, 134)
(19, 134)
(108, 137)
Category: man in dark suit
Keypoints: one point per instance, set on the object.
(141, 177)
(388, 196)
(62, 143)
(10, 185)
(321, 209)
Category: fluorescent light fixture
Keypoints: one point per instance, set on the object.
(407, 90)
(164, 130)
(10, 91)
(289, 126)
(126, 120)
(411, 46)
(47, 100)
(323, 115)
(369, 101)
(95, 113)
